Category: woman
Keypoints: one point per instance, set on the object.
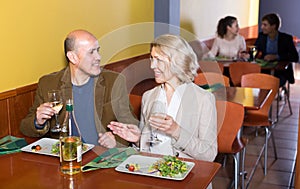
(189, 127)
(228, 44)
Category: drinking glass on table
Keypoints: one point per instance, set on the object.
(158, 109)
(252, 52)
(54, 97)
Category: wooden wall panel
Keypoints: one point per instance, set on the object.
(4, 118)
(20, 106)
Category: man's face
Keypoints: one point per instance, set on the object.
(267, 28)
(88, 57)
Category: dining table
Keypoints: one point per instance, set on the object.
(250, 98)
(265, 66)
(31, 170)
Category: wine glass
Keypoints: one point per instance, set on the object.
(158, 108)
(55, 98)
(252, 52)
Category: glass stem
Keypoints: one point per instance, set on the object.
(56, 120)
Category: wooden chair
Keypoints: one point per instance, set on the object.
(237, 69)
(230, 120)
(260, 118)
(211, 78)
(210, 66)
(136, 102)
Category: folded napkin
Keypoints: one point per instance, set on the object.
(212, 88)
(264, 63)
(10, 144)
(110, 158)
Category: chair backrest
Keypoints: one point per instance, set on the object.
(263, 81)
(237, 69)
(211, 78)
(210, 66)
(230, 119)
(136, 103)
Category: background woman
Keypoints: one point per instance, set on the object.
(228, 43)
(189, 126)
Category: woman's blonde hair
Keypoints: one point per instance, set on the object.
(184, 63)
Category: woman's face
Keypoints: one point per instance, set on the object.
(160, 65)
(234, 28)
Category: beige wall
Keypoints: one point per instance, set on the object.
(200, 17)
(32, 33)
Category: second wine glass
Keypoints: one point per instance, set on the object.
(158, 108)
(54, 97)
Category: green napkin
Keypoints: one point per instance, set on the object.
(10, 144)
(212, 88)
(264, 63)
(110, 158)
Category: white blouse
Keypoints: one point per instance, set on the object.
(229, 49)
(165, 146)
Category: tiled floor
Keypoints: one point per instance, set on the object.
(280, 171)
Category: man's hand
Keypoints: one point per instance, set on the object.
(107, 140)
(44, 112)
(270, 57)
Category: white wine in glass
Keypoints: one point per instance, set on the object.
(55, 98)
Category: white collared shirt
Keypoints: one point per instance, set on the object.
(165, 147)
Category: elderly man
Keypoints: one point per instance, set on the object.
(99, 95)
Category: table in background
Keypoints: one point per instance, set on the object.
(28, 170)
(250, 98)
(271, 67)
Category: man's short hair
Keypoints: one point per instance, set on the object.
(69, 45)
(272, 19)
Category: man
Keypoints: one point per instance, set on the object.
(99, 95)
(274, 45)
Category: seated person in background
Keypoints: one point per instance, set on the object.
(273, 45)
(99, 95)
(188, 127)
(228, 43)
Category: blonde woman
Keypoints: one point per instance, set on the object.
(188, 128)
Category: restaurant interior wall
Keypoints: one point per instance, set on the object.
(200, 17)
(288, 11)
(33, 31)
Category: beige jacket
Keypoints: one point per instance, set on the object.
(197, 119)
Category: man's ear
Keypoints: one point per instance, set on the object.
(72, 56)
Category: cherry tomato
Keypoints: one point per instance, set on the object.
(131, 168)
(38, 147)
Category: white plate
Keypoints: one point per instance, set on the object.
(46, 147)
(145, 162)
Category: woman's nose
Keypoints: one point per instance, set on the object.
(153, 63)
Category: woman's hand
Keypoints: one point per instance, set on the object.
(244, 55)
(165, 124)
(128, 132)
